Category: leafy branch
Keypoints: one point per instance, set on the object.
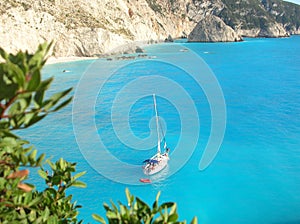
(22, 104)
(137, 211)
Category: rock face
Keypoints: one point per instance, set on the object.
(273, 30)
(269, 30)
(86, 28)
(251, 18)
(213, 29)
(96, 27)
(285, 13)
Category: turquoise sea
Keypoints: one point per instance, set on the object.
(250, 89)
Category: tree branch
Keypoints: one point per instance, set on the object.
(8, 103)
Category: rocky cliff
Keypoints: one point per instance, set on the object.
(249, 18)
(285, 13)
(83, 28)
(94, 27)
(213, 29)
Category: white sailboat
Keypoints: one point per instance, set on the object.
(160, 160)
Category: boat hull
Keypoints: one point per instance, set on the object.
(150, 169)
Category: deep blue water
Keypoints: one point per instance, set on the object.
(255, 176)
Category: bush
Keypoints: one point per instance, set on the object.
(137, 211)
(22, 104)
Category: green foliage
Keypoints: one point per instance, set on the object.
(22, 104)
(137, 211)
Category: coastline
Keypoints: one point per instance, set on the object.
(56, 60)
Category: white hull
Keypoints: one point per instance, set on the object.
(153, 168)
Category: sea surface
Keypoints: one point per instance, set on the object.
(248, 95)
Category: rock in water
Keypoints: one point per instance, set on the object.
(213, 29)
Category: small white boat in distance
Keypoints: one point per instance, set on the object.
(160, 160)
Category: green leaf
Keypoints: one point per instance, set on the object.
(63, 104)
(167, 205)
(106, 207)
(173, 209)
(22, 213)
(157, 196)
(34, 119)
(46, 214)
(32, 155)
(28, 118)
(39, 95)
(155, 204)
(15, 109)
(114, 206)
(79, 175)
(57, 96)
(52, 220)
(18, 76)
(45, 84)
(3, 54)
(79, 184)
(35, 201)
(123, 210)
(62, 163)
(40, 159)
(34, 81)
(56, 179)
(9, 141)
(172, 218)
(7, 133)
(142, 205)
(195, 220)
(52, 165)
(165, 215)
(24, 159)
(37, 59)
(129, 201)
(8, 90)
(159, 219)
(32, 215)
(111, 215)
(43, 174)
(98, 218)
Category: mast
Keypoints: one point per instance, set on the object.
(157, 124)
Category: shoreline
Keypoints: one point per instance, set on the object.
(55, 60)
(123, 49)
